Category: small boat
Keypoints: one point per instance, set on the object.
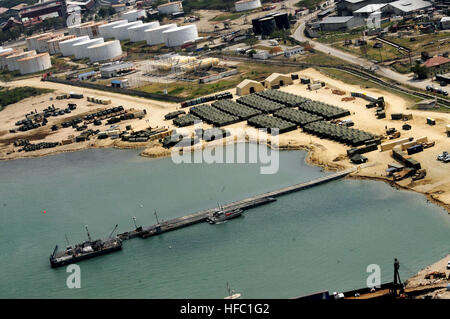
(221, 215)
(232, 294)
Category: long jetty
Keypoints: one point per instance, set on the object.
(243, 204)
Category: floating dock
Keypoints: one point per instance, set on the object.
(244, 204)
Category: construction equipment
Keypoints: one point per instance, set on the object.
(402, 174)
(421, 173)
(45, 76)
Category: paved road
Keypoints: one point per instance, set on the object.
(350, 58)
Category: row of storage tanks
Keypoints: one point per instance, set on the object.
(152, 32)
(25, 62)
(185, 64)
(267, 24)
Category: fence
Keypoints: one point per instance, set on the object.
(155, 96)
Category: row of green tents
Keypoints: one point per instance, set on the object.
(242, 111)
(213, 116)
(270, 123)
(296, 116)
(260, 103)
(339, 133)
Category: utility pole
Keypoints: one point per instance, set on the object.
(156, 215)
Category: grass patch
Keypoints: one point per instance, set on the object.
(227, 16)
(11, 96)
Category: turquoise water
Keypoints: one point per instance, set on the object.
(318, 239)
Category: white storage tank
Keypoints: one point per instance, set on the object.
(106, 29)
(32, 41)
(80, 49)
(179, 36)
(11, 61)
(121, 32)
(245, 5)
(53, 45)
(133, 15)
(4, 53)
(105, 51)
(42, 42)
(170, 7)
(35, 63)
(155, 36)
(137, 34)
(67, 46)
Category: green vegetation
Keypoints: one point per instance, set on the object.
(421, 71)
(11, 96)
(310, 4)
(227, 16)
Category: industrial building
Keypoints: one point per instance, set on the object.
(180, 35)
(437, 65)
(57, 7)
(66, 46)
(294, 51)
(120, 32)
(366, 11)
(105, 51)
(341, 23)
(34, 63)
(170, 7)
(133, 15)
(404, 7)
(248, 87)
(155, 36)
(106, 29)
(245, 5)
(81, 50)
(11, 60)
(137, 33)
(276, 80)
(347, 7)
(116, 69)
(53, 44)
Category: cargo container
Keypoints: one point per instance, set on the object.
(396, 116)
(431, 121)
(415, 149)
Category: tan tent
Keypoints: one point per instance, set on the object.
(277, 79)
(249, 87)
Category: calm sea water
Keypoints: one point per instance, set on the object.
(318, 239)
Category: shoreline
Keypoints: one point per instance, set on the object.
(157, 151)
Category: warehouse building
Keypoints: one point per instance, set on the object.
(294, 51)
(170, 7)
(341, 23)
(366, 11)
(437, 65)
(248, 87)
(245, 5)
(445, 23)
(404, 7)
(34, 63)
(56, 7)
(116, 70)
(276, 80)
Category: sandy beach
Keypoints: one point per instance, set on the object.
(326, 153)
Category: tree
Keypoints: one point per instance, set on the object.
(421, 71)
(251, 42)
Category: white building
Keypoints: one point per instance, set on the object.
(155, 36)
(245, 5)
(261, 55)
(170, 7)
(34, 63)
(403, 7)
(105, 51)
(178, 36)
(369, 9)
(137, 33)
(294, 51)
